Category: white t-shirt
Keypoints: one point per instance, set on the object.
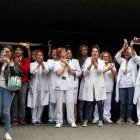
(62, 82)
(126, 79)
(2, 77)
(109, 80)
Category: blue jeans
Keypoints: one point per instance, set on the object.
(89, 106)
(81, 109)
(126, 101)
(6, 98)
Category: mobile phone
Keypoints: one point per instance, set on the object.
(136, 40)
(3, 54)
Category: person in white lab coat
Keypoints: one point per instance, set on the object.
(38, 95)
(136, 99)
(110, 75)
(94, 90)
(52, 95)
(84, 49)
(63, 88)
(74, 78)
(126, 80)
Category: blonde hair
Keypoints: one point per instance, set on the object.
(105, 52)
(58, 52)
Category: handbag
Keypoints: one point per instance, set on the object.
(14, 83)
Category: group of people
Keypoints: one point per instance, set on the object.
(70, 87)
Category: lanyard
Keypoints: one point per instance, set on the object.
(126, 67)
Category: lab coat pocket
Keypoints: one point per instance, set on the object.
(102, 93)
(57, 85)
(43, 94)
(101, 84)
(31, 90)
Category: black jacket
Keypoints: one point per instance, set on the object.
(9, 70)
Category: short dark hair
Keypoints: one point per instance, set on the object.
(82, 46)
(21, 47)
(96, 46)
(52, 51)
(39, 51)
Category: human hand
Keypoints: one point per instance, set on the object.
(110, 66)
(64, 61)
(125, 45)
(94, 61)
(27, 45)
(5, 59)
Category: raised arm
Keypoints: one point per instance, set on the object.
(27, 45)
(135, 57)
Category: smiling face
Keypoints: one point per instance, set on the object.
(18, 52)
(39, 56)
(53, 54)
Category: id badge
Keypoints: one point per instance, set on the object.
(2, 78)
(110, 75)
(64, 78)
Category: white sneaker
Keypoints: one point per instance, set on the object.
(100, 123)
(85, 123)
(95, 121)
(138, 123)
(73, 125)
(58, 125)
(7, 136)
(108, 121)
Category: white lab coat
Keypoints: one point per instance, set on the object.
(122, 62)
(94, 83)
(137, 86)
(38, 85)
(74, 64)
(53, 67)
(81, 96)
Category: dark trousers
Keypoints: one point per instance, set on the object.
(90, 105)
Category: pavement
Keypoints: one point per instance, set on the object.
(92, 132)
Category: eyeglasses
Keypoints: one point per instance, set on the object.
(105, 56)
